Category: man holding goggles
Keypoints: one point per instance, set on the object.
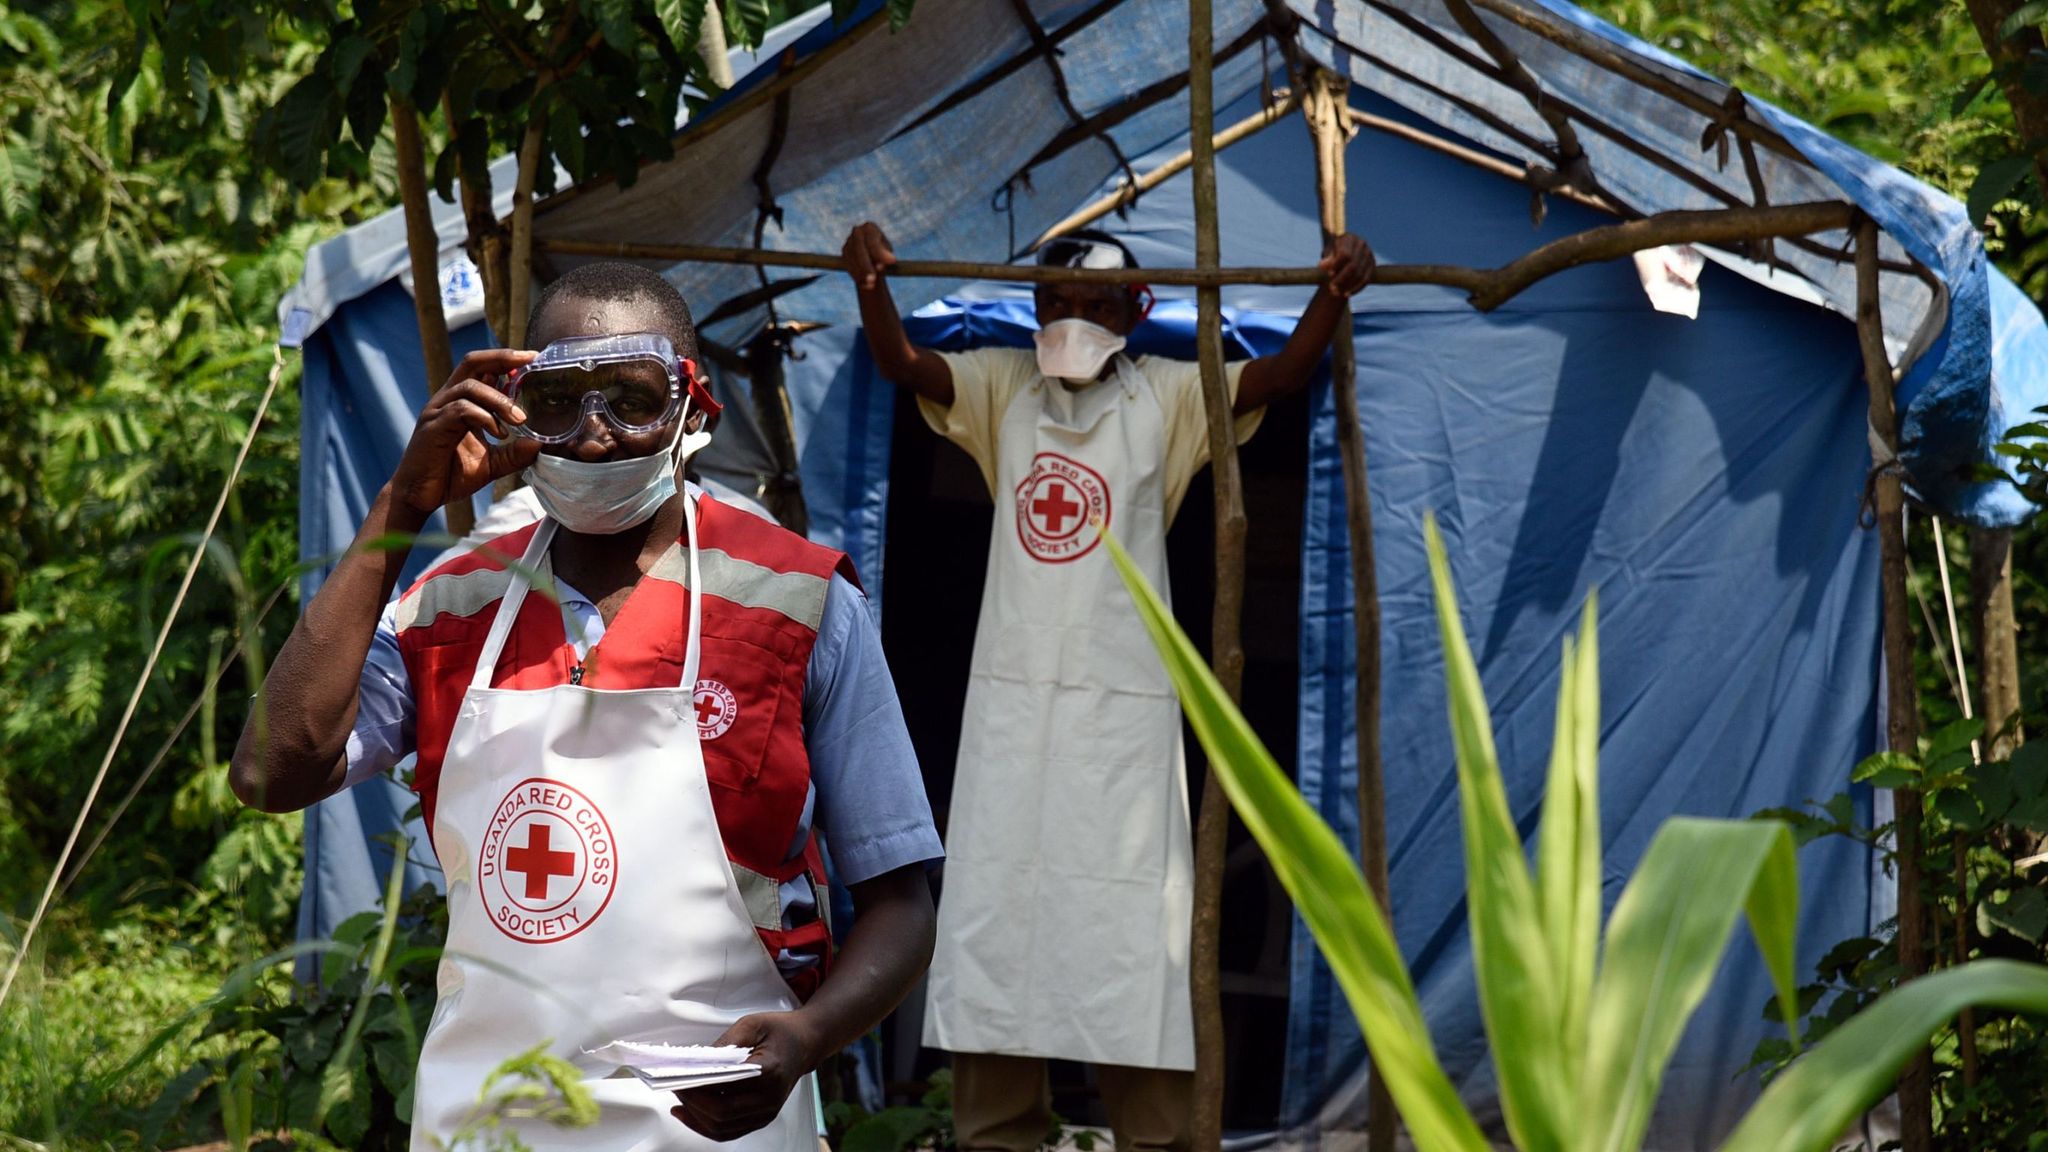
(632, 777)
(1068, 894)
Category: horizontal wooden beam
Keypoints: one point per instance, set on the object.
(1488, 288)
(934, 269)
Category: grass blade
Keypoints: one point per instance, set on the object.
(1324, 882)
(1519, 993)
(1824, 1091)
(1664, 945)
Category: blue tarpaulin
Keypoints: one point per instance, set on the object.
(1705, 475)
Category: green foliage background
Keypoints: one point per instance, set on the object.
(146, 241)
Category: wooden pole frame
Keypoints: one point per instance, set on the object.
(1327, 103)
(1488, 288)
(1902, 697)
(1226, 643)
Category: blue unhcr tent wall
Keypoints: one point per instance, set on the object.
(1705, 475)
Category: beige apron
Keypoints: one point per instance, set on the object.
(1063, 926)
(589, 900)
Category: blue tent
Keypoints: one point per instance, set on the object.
(1705, 474)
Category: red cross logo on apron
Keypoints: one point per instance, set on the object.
(1055, 503)
(548, 864)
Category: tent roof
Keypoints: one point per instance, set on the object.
(981, 123)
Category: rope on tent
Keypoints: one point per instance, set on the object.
(1049, 52)
(1003, 71)
(765, 206)
(1142, 100)
(141, 682)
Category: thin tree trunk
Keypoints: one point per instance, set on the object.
(520, 271)
(423, 245)
(1902, 701)
(1998, 675)
(486, 238)
(1225, 640)
(1326, 102)
(2009, 58)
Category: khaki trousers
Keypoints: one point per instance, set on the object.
(1004, 1104)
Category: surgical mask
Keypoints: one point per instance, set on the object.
(1075, 350)
(607, 496)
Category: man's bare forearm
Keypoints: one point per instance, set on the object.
(1269, 378)
(918, 369)
(292, 750)
(885, 953)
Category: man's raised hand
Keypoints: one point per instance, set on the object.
(867, 254)
(1349, 264)
(447, 458)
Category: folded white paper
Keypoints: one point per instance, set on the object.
(668, 1067)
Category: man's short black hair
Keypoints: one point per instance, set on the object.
(614, 280)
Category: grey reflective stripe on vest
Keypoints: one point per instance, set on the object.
(462, 594)
(797, 595)
(762, 896)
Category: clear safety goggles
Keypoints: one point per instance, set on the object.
(635, 382)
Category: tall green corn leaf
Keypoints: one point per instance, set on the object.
(1824, 1091)
(1519, 988)
(1324, 882)
(1568, 841)
(1664, 944)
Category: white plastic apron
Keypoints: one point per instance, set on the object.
(1063, 927)
(589, 900)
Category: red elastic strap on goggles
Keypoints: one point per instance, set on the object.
(700, 394)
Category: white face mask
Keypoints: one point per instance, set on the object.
(609, 496)
(1075, 350)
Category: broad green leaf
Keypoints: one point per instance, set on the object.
(1952, 738)
(1887, 770)
(1568, 841)
(1995, 181)
(1323, 880)
(1519, 988)
(2021, 17)
(1664, 944)
(2023, 912)
(1824, 1091)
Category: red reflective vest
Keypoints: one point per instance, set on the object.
(766, 591)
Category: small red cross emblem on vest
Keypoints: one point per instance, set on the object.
(548, 863)
(1055, 502)
(716, 709)
(538, 861)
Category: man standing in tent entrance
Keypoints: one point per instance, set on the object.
(1063, 931)
(626, 773)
